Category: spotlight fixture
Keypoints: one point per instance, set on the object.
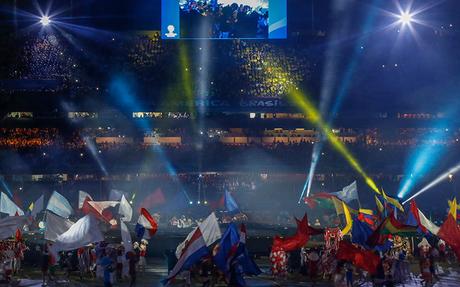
(406, 18)
(45, 20)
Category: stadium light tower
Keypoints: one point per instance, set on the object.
(45, 20)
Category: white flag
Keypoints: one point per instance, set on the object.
(83, 232)
(348, 193)
(82, 196)
(59, 205)
(8, 206)
(9, 225)
(38, 206)
(55, 226)
(126, 237)
(209, 229)
(125, 210)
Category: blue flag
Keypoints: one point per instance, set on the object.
(230, 203)
(59, 205)
(248, 265)
(360, 233)
(228, 248)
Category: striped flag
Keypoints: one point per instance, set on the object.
(146, 226)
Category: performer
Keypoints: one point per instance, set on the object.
(278, 260)
(142, 253)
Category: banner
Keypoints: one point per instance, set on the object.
(59, 205)
(80, 234)
(8, 206)
(55, 226)
(9, 226)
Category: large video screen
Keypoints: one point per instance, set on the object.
(224, 19)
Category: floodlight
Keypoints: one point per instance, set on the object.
(45, 20)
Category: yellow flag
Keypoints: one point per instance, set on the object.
(393, 201)
(379, 204)
(346, 211)
(453, 208)
(366, 211)
(31, 206)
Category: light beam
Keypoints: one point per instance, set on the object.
(446, 175)
(313, 115)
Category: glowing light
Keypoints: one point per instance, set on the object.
(446, 175)
(422, 160)
(45, 20)
(191, 202)
(405, 18)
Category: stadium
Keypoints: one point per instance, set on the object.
(229, 143)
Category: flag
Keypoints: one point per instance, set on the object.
(321, 200)
(390, 226)
(55, 226)
(155, 198)
(392, 201)
(146, 226)
(59, 205)
(9, 226)
(379, 204)
(125, 210)
(364, 259)
(196, 246)
(367, 216)
(8, 206)
(82, 198)
(348, 193)
(304, 231)
(192, 253)
(230, 203)
(422, 222)
(102, 210)
(360, 233)
(210, 230)
(82, 233)
(249, 266)
(38, 206)
(348, 219)
(227, 251)
(126, 237)
(453, 208)
(450, 233)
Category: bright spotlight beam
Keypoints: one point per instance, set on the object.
(314, 116)
(438, 180)
(45, 20)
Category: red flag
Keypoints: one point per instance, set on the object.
(101, 209)
(304, 231)
(450, 233)
(414, 211)
(369, 219)
(364, 259)
(155, 198)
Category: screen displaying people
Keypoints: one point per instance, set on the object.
(224, 19)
